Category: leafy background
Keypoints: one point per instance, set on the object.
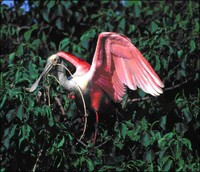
(146, 134)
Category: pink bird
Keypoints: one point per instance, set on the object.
(117, 64)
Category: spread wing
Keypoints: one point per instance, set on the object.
(117, 63)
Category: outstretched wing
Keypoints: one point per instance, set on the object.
(118, 63)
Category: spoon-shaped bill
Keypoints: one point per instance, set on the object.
(47, 68)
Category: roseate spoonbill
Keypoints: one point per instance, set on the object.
(117, 64)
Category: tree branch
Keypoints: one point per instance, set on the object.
(38, 158)
(61, 107)
(178, 85)
(166, 89)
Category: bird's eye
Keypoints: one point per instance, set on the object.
(54, 61)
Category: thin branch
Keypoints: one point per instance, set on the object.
(101, 144)
(48, 96)
(166, 89)
(65, 68)
(38, 158)
(60, 105)
(84, 105)
(79, 141)
(138, 99)
(38, 97)
(178, 85)
(54, 78)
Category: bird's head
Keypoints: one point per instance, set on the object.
(51, 62)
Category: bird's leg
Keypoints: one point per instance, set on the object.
(96, 126)
(96, 96)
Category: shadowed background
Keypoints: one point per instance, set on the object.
(145, 133)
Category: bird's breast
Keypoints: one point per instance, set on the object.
(82, 82)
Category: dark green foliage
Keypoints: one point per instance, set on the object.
(160, 134)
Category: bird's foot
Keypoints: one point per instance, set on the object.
(71, 96)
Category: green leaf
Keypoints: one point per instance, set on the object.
(12, 131)
(142, 93)
(120, 145)
(28, 33)
(192, 45)
(90, 165)
(137, 9)
(124, 130)
(3, 101)
(197, 26)
(169, 135)
(131, 28)
(32, 70)
(157, 68)
(20, 50)
(122, 24)
(50, 5)
(163, 122)
(60, 144)
(144, 124)
(180, 52)
(162, 142)
(36, 43)
(162, 152)
(154, 27)
(44, 37)
(181, 127)
(64, 44)
(167, 165)
(145, 140)
(178, 18)
(187, 143)
(30, 102)
(149, 155)
(129, 3)
(129, 124)
(187, 115)
(10, 115)
(45, 15)
(11, 58)
(24, 133)
(59, 24)
(85, 38)
(66, 4)
(177, 150)
(6, 139)
(20, 112)
(48, 112)
(132, 136)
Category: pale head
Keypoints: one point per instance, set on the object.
(53, 59)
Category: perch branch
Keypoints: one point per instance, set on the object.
(84, 105)
(166, 89)
(178, 85)
(138, 99)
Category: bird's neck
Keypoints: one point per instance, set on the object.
(65, 83)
